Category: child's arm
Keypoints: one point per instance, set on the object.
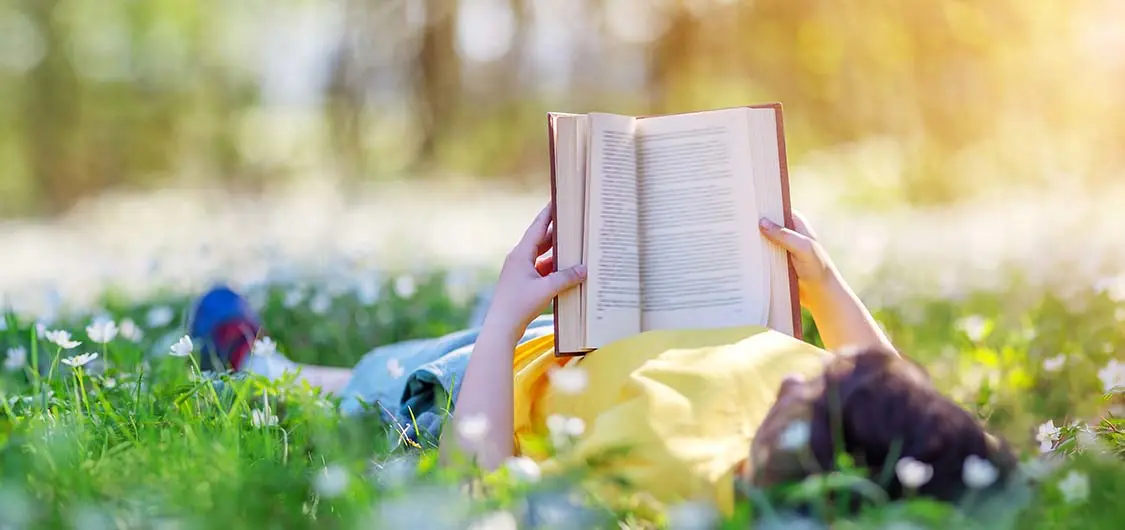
(841, 318)
(526, 285)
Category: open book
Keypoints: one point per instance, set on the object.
(664, 211)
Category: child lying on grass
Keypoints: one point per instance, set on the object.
(697, 410)
(700, 409)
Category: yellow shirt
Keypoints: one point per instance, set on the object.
(687, 403)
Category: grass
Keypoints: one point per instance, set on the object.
(139, 439)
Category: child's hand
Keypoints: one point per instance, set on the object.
(526, 282)
(815, 270)
(841, 318)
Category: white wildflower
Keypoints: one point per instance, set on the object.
(395, 368)
(262, 419)
(1075, 487)
(974, 326)
(1112, 376)
(978, 473)
(569, 380)
(264, 347)
(912, 473)
(182, 347)
(523, 469)
(320, 304)
(795, 436)
(109, 382)
(404, 286)
(102, 331)
(692, 515)
(131, 331)
(473, 428)
(1054, 364)
(1047, 435)
(331, 481)
(61, 339)
(16, 359)
(160, 316)
(564, 429)
(498, 520)
(79, 360)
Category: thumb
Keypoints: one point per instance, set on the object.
(560, 281)
(785, 238)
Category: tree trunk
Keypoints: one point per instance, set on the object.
(51, 112)
(438, 76)
(671, 60)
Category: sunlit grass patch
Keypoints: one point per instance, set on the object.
(110, 425)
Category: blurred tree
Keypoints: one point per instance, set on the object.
(437, 76)
(345, 94)
(673, 59)
(51, 114)
(112, 92)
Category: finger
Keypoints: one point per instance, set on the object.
(565, 279)
(535, 232)
(801, 225)
(545, 265)
(548, 241)
(795, 243)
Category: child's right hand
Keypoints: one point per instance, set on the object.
(815, 271)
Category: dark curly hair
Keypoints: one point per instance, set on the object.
(877, 408)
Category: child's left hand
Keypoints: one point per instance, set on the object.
(526, 282)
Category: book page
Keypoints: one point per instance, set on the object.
(613, 271)
(701, 252)
(764, 148)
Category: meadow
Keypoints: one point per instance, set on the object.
(120, 432)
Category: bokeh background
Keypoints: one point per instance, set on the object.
(191, 140)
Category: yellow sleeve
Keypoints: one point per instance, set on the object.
(530, 365)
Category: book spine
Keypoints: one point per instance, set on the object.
(787, 208)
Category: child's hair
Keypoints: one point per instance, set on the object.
(878, 408)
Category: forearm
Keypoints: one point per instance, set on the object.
(486, 391)
(842, 319)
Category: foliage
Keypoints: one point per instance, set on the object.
(105, 94)
(139, 438)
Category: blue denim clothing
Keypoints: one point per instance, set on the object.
(430, 378)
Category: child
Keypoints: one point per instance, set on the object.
(697, 410)
(700, 409)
